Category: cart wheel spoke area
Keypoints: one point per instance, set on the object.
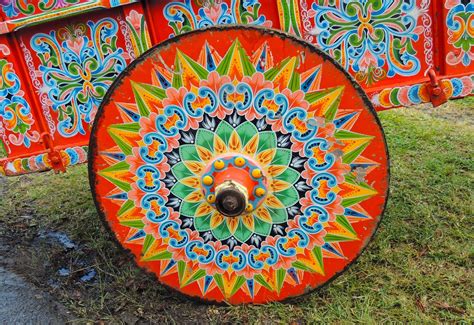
(239, 164)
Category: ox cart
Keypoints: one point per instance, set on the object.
(233, 146)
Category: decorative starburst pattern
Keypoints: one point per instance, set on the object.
(178, 112)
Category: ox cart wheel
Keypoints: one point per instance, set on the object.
(239, 164)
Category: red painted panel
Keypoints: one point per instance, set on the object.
(71, 65)
(458, 34)
(10, 9)
(171, 18)
(20, 130)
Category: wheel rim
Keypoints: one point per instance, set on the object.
(226, 120)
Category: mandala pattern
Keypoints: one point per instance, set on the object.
(78, 65)
(184, 17)
(244, 114)
(252, 142)
(460, 24)
(374, 39)
(15, 112)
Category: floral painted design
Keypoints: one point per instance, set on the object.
(460, 23)
(269, 113)
(15, 8)
(372, 39)
(184, 17)
(15, 111)
(78, 64)
(255, 141)
(139, 32)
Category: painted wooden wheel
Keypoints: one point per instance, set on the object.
(239, 164)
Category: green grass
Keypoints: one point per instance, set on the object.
(3, 152)
(418, 268)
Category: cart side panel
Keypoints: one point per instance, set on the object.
(10, 10)
(389, 46)
(72, 64)
(20, 130)
(172, 18)
(458, 35)
(59, 71)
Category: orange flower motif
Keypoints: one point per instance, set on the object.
(136, 195)
(214, 82)
(284, 262)
(175, 96)
(306, 201)
(212, 266)
(308, 173)
(147, 125)
(298, 146)
(151, 228)
(335, 208)
(295, 99)
(179, 254)
(248, 272)
(257, 82)
(314, 239)
(134, 160)
(339, 170)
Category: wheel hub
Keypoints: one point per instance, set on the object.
(234, 185)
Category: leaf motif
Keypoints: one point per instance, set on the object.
(289, 175)
(181, 191)
(194, 166)
(222, 231)
(188, 208)
(219, 146)
(276, 170)
(205, 138)
(203, 209)
(288, 197)
(188, 152)
(191, 181)
(278, 185)
(242, 233)
(246, 132)
(216, 220)
(181, 171)
(265, 157)
(223, 131)
(234, 142)
(267, 140)
(263, 214)
(251, 147)
(202, 223)
(282, 157)
(263, 228)
(278, 215)
(204, 154)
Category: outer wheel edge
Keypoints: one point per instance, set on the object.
(144, 56)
